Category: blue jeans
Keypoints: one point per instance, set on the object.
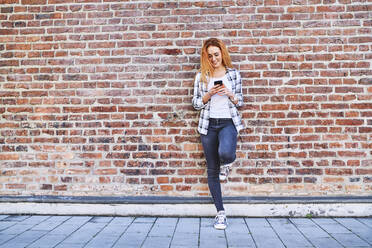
(219, 148)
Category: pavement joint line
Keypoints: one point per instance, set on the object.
(357, 219)
(275, 232)
(98, 232)
(301, 232)
(250, 232)
(74, 231)
(8, 226)
(199, 232)
(227, 241)
(113, 245)
(352, 231)
(327, 232)
(147, 235)
(21, 232)
(174, 231)
(49, 230)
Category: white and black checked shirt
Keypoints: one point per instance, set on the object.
(200, 89)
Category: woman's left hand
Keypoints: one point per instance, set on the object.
(225, 92)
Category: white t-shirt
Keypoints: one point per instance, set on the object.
(219, 104)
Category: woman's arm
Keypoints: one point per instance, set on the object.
(237, 97)
(199, 101)
(238, 90)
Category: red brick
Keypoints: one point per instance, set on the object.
(309, 171)
(280, 171)
(34, 93)
(338, 172)
(9, 156)
(321, 154)
(306, 138)
(177, 180)
(47, 110)
(163, 180)
(104, 109)
(19, 109)
(351, 154)
(74, 140)
(9, 94)
(166, 187)
(60, 187)
(75, 109)
(191, 172)
(15, 186)
(275, 107)
(300, 9)
(349, 122)
(131, 109)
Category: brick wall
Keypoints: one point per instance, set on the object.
(96, 96)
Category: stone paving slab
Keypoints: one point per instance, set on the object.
(153, 232)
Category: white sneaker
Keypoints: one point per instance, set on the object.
(220, 221)
(224, 171)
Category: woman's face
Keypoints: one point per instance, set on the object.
(214, 56)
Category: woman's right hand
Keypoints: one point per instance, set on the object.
(215, 89)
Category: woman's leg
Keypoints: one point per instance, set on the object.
(210, 145)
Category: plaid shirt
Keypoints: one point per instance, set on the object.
(200, 90)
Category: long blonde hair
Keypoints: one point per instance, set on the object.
(206, 67)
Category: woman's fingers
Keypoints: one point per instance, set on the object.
(215, 89)
(219, 89)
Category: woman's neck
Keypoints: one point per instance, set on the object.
(219, 72)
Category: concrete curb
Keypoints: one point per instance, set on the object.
(192, 207)
(192, 210)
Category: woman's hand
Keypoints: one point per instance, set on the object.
(226, 92)
(223, 91)
(216, 89)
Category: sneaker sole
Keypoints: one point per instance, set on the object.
(223, 178)
(220, 227)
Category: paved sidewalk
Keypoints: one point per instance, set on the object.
(152, 232)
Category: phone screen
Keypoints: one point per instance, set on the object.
(219, 82)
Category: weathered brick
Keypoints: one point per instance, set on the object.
(75, 109)
(338, 172)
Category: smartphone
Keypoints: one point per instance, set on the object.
(219, 82)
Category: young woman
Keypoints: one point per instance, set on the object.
(218, 93)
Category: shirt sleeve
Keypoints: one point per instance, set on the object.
(238, 90)
(197, 100)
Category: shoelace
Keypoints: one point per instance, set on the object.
(220, 218)
(225, 170)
